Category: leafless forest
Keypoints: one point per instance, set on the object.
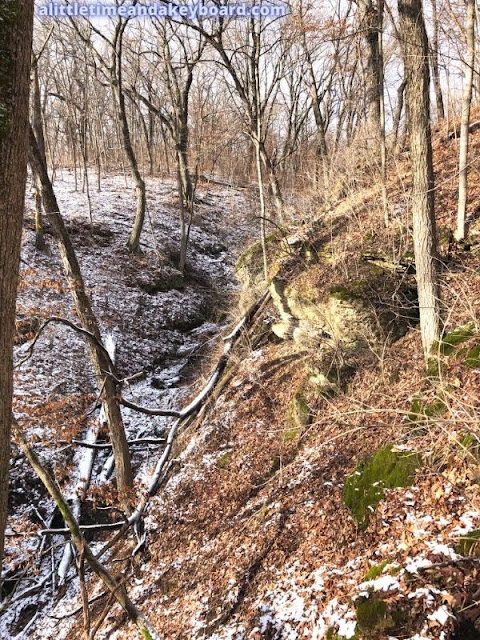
(239, 320)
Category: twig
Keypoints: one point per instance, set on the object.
(83, 590)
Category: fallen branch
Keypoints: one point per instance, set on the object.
(76, 328)
(87, 528)
(198, 402)
(149, 412)
(108, 445)
(116, 589)
(471, 128)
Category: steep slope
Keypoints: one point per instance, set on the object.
(330, 488)
(251, 536)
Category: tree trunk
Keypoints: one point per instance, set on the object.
(16, 25)
(133, 242)
(88, 321)
(37, 124)
(398, 115)
(370, 24)
(273, 181)
(185, 187)
(415, 57)
(465, 123)
(434, 63)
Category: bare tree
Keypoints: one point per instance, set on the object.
(16, 26)
(434, 63)
(177, 57)
(465, 124)
(83, 307)
(109, 55)
(415, 60)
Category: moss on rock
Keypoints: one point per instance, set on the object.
(421, 409)
(225, 459)
(300, 411)
(372, 616)
(365, 487)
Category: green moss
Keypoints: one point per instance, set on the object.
(225, 459)
(356, 289)
(472, 358)
(290, 435)
(446, 346)
(372, 615)
(300, 411)
(469, 545)
(422, 409)
(365, 487)
(375, 571)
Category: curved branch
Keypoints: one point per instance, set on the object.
(76, 328)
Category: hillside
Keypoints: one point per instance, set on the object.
(325, 403)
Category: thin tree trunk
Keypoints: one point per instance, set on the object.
(87, 318)
(16, 25)
(133, 242)
(185, 189)
(434, 63)
(415, 57)
(115, 588)
(37, 124)
(381, 120)
(273, 181)
(465, 123)
(398, 115)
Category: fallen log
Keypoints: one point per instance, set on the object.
(452, 135)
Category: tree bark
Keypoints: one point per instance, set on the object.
(133, 242)
(434, 63)
(398, 115)
(415, 59)
(88, 321)
(465, 122)
(37, 124)
(16, 25)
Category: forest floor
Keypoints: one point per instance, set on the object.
(249, 537)
(163, 328)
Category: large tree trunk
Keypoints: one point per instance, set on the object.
(88, 321)
(370, 21)
(415, 57)
(16, 25)
(464, 128)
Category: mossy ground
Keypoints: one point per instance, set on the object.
(365, 487)
(372, 615)
(375, 571)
